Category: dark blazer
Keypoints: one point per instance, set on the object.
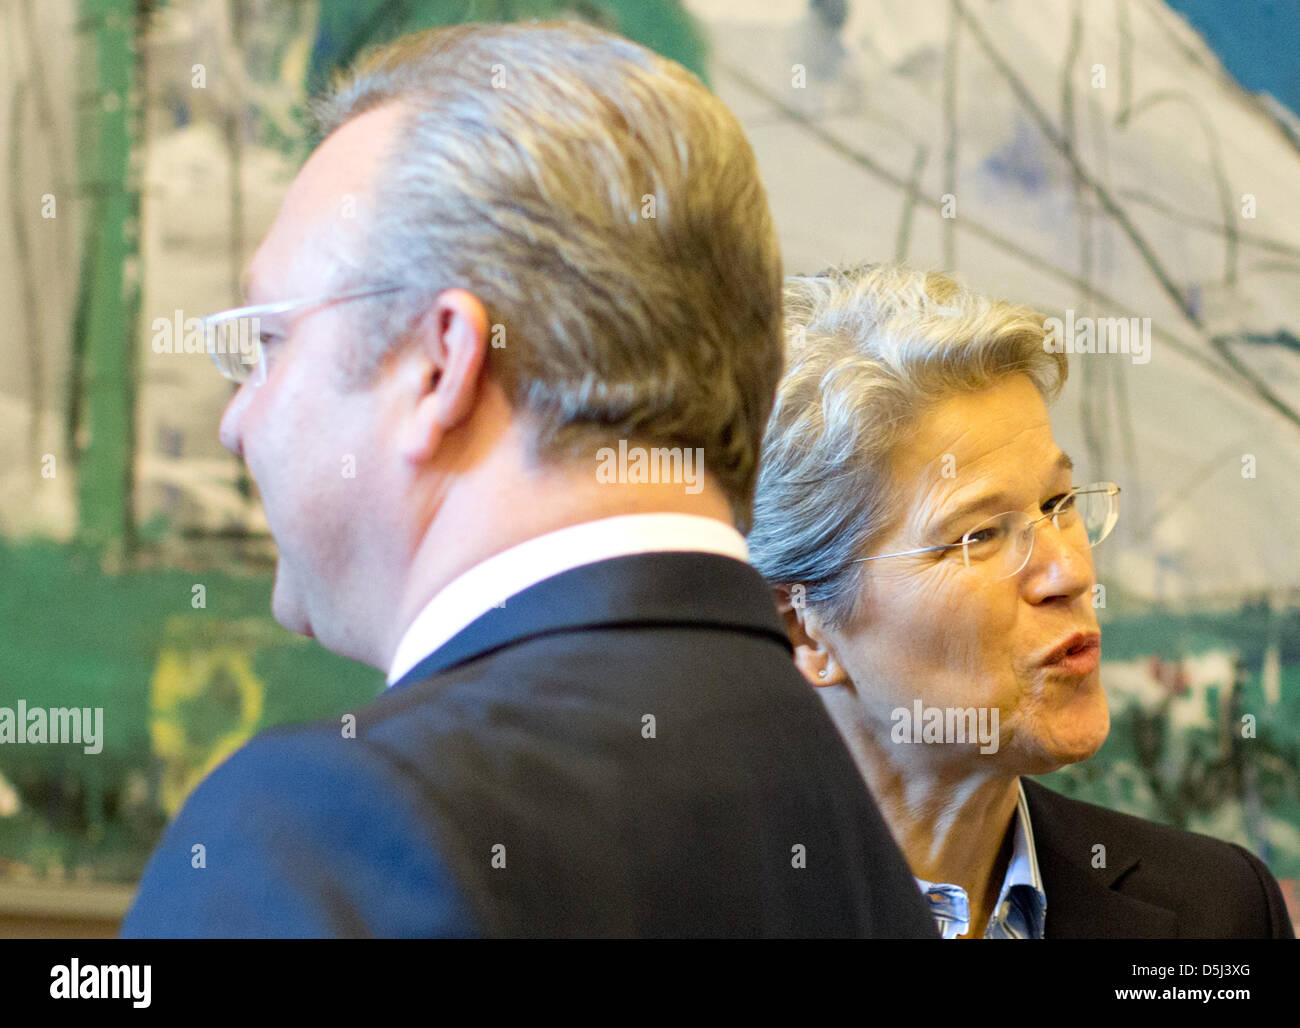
(624, 749)
(1156, 883)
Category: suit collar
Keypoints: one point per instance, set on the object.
(490, 582)
(1085, 901)
(680, 589)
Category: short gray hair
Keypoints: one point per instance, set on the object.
(868, 351)
(607, 210)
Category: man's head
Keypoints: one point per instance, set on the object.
(584, 254)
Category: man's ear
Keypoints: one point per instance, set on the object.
(812, 656)
(451, 340)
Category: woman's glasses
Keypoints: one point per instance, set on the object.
(1002, 544)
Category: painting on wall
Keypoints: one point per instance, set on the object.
(1128, 165)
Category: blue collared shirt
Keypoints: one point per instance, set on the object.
(1021, 910)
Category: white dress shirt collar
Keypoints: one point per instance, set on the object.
(490, 583)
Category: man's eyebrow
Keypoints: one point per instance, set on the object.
(995, 503)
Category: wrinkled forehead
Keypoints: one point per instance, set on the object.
(324, 212)
(994, 442)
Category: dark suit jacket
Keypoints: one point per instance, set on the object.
(1157, 882)
(514, 784)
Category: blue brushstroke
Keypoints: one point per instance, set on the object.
(1020, 160)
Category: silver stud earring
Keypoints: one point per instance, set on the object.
(821, 673)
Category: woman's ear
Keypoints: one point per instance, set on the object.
(812, 655)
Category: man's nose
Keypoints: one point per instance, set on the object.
(231, 430)
(1060, 564)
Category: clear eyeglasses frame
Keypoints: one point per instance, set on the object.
(233, 338)
(1008, 537)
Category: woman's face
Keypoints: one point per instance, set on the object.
(930, 628)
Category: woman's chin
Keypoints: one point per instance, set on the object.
(1073, 736)
(1079, 725)
(1078, 742)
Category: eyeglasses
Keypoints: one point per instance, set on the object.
(1001, 545)
(234, 337)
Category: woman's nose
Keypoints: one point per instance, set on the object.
(1060, 563)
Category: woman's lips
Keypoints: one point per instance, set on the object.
(1080, 655)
